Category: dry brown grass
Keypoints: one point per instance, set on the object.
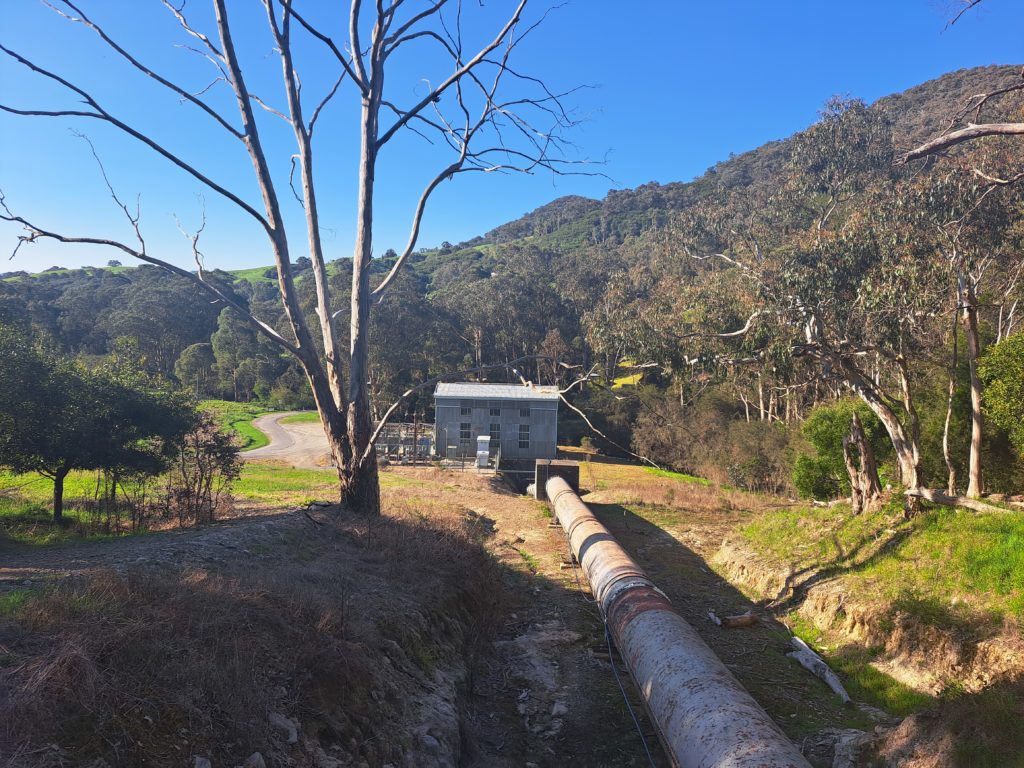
(613, 481)
(152, 668)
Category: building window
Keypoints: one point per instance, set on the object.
(465, 433)
(525, 412)
(496, 434)
(495, 410)
(524, 436)
(466, 410)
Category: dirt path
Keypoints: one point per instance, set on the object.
(208, 546)
(301, 445)
(547, 696)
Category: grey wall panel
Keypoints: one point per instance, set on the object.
(542, 419)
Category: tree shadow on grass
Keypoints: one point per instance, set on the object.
(798, 583)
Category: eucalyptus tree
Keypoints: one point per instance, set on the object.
(490, 115)
(825, 272)
(975, 204)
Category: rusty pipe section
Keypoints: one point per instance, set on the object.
(705, 717)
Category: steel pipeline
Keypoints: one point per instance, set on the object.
(705, 717)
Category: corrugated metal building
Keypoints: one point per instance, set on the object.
(522, 420)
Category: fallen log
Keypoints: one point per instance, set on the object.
(747, 619)
(939, 497)
(816, 665)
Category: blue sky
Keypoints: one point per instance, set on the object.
(677, 86)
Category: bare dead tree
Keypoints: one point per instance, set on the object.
(492, 117)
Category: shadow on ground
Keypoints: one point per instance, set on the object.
(800, 703)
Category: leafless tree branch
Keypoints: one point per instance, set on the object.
(101, 114)
(81, 18)
(34, 233)
(969, 133)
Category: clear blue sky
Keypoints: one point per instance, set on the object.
(677, 87)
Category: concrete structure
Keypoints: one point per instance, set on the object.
(522, 421)
(545, 469)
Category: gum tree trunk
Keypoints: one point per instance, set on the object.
(360, 485)
(969, 317)
(865, 487)
(950, 466)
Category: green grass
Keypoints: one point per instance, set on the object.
(276, 484)
(306, 417)
(676, 476)
(627, 381)
(940, 566)
(11, 602)
(531, 562)
(253, 274)
(237, 418)
(256, 274)
(26, 509)
(37, 489)
(269, 483)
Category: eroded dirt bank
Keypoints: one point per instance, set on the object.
(973, 671)
(919, 654)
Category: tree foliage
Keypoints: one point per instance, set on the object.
(1002, 368)
(57, 416)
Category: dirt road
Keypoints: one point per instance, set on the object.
(301, 445)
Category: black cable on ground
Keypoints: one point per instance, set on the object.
(611, 659)
(625, 698)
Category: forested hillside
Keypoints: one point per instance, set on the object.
(720, 323)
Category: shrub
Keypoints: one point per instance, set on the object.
(1002, 369)
(823, 475)
(813, 478)
(207, 463)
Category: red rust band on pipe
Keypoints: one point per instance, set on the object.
(706, 719)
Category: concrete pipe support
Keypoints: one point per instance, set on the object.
(705, 717)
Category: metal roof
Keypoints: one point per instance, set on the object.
(495, 391)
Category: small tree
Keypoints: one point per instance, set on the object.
(56, 416)
(207, 462)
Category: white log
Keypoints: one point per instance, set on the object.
(816, 665)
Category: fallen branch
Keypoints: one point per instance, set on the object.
(747, 619)
(816, 665)
(939, 497)
(829, 504)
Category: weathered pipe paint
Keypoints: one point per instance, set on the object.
(705, 717)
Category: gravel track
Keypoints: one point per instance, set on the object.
(303, 446)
